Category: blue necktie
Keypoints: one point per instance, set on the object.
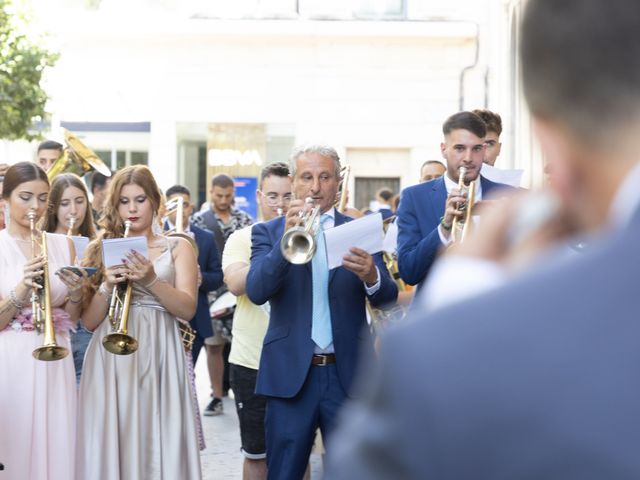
(321, 315)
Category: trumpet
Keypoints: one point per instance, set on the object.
(72, 223)
(460, 226)
(118, 342)
(298, 244)
(344, 188)
(41, 304)
(177, 205)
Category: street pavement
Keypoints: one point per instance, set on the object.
(222, 460)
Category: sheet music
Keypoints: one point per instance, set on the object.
(115, 249)
(365, 233)
(80, 244)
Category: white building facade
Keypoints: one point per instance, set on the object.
(193, 88)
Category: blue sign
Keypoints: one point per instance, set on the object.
(245, 194)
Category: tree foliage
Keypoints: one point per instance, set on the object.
(22, 63)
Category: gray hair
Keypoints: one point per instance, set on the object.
(322, 150)
(581, 65)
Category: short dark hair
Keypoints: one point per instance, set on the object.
(50, 145)
(385, 194)
(431, 162)
(581, 64)
(178, 189)
(98, 180)
(491, 119)
(465, 121)
(279, 169)
(222, 180)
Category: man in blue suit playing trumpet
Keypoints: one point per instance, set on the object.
(427, 211)
(317, 327)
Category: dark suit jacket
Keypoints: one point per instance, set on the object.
(421, 208)
(288, 348)
(211, 270)
(538, 380)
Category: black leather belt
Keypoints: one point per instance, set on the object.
(323, 360)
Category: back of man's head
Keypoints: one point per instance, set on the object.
(98, 181)
(385, 194)
(465, 121)
(581, 65)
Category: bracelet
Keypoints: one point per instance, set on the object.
(446, 226)
(151, 283)
(13, 299)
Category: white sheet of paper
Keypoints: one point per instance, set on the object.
(509, 177)
(80, 244)
(115, 249)
(391, 238)
(365, 233)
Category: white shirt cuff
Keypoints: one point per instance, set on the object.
(375, 287)
(444, 240)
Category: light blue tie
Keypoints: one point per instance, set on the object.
(321, 314)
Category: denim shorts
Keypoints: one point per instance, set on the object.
(79, 342)
(251, 409)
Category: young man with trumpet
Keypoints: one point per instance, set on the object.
(317, 326)
(428, 211)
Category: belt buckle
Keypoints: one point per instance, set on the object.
(322, 360)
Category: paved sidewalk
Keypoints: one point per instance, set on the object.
(222, 460)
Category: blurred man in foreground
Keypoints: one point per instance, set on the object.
(538, 379)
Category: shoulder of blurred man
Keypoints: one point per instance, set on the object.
(517, 378)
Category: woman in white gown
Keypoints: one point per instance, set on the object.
(136, 417)
(37, 398)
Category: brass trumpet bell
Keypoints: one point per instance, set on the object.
(77, 158)
(48, 353)
(298, 244)
(120, 343)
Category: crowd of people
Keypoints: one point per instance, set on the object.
(515, 356)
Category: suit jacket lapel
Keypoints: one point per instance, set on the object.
(438, 197)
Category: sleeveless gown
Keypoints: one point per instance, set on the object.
(136, 416)
(37, 398)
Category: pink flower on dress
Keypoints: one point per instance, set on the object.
(22, 322)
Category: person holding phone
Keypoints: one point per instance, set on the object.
(68, 212)
(136, 416)
(38, 398)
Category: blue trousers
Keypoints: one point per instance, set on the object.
(291, 422)
(79, 342)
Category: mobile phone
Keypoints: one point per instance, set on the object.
(78, 270)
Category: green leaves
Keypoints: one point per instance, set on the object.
(22, 63)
